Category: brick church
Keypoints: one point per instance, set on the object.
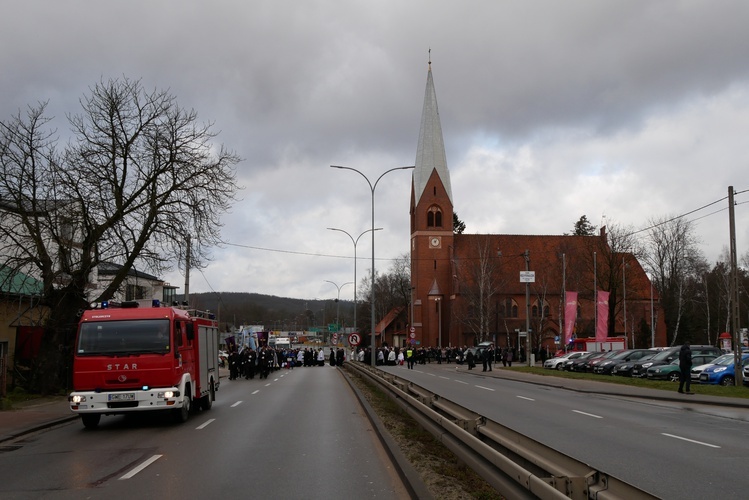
(466, 288)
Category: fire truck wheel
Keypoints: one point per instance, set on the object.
(182, 414)
(207, 400)
(90, 420)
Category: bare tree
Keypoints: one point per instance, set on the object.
(139, 175)
(481, 282)
(393, 290)
(671, 257)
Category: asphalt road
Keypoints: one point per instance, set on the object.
(299, 434)
(674, 449)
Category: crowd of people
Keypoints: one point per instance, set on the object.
(472, 357)
(247, 362)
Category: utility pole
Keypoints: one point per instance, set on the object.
(528, 338)
(735, 333)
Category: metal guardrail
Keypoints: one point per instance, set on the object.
(514, 464)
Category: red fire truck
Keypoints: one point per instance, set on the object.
(591, 344)
(129, 358)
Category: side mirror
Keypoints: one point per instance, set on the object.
(190, 331)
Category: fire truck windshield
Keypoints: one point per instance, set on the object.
(138, 336)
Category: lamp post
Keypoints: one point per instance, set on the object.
(355, 242)
(337, 300)
(372, 188)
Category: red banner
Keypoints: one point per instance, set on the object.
(570, 315)
(602, 316)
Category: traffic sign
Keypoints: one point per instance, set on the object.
(354, 339)
(413, 335)
(527, 276)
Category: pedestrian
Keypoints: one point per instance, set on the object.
(469, 360)
(508, 357)
(410, 358)
(320, 357)
(685, 367)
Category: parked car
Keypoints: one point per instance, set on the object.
(722, 370)
(590, 365)
(606, 366)
(746, 375)
(672, 372)
(665, 356)
(625, 369)
(557, 363)
(694, 373)
(568, 365)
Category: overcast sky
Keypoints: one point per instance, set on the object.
(622, 111)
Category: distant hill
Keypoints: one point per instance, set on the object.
(275, 313)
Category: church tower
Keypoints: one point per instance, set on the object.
(431, 230)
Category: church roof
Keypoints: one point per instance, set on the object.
(430, 153)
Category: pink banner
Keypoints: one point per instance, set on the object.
(570, 315)
(602, 316)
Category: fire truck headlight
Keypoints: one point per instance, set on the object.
(77, 399)
(168, 394)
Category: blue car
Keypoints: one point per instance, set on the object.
(722, 372)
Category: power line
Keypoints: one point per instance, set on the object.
(310, 254)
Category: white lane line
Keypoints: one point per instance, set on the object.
(204, 425)
(485, 388)
(691, 440)
(236, 404)
(523, 397)
(141, 467)
(268, 384)
(255, 391)
(446, 378)
(275, 380)
(461, 382)
(431, 374)
(587, 414)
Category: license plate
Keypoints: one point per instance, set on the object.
(123, 396)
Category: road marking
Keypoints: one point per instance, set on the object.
(236, 404)
(527, 399)
(691, 440)
(431, 374)
(461, 382)
(485, 388)
(587, 414)
(268, 384)
(255, 391)
(204, 425)
(141, 467)
(446, 378)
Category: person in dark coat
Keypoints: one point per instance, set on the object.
(469, 360)
(233, 365)
(685, 367)
(339, 355)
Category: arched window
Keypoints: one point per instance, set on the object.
(535, 309)
(508, 309)
(434, 216)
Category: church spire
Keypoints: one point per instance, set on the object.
(430, 153)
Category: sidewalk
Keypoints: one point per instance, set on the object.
(34, 415)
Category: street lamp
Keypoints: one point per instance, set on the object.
(338, 300)
(372, 188)
(355, 241)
